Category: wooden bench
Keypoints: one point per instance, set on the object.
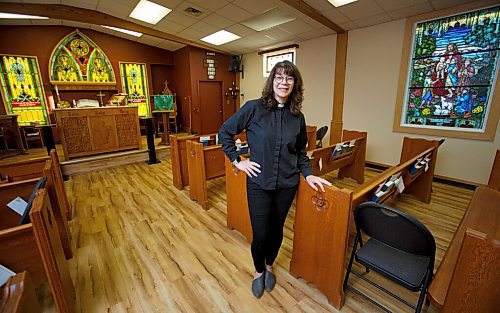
(494, 181)
(18, 295)
(322, 220)
(237, 207)
(350, 164)
(57, 197)
(470, 265)
(22, 170)
(36, 247)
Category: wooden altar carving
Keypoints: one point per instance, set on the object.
(88, 131)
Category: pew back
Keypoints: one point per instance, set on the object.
(22, 170)
(10, 191)
(18, 295)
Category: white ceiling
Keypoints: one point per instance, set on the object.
(228, 15)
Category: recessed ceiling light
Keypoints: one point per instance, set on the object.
(339, 3)
(22, 16)
(221, 37)
(126, 31)
(149, 12)
(268, 19)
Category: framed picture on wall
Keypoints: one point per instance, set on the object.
(448, 82)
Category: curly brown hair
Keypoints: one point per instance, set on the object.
(296, 97)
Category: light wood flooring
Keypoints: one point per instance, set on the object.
(141, 245)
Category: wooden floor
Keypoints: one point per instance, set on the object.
(141, 245)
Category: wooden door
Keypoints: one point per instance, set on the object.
(210, 93)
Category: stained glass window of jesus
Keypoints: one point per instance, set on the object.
(22, 89)
(453, 70)
(135, 84)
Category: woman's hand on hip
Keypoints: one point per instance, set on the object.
(315, 180)
(249, 167)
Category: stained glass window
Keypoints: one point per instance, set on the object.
(79, 59)
(22, 89)
(135, 84)
(452, 71)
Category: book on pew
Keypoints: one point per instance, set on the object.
(5, 273)
(337, 150)
(18, 205)
(415, 167)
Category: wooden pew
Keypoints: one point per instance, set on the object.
(237, 208)
(468, 266)
(59, 185)
(203, 163)
(22, 170)
(350, 164)
(18, 295)
(322, 220)
(36, 248)
(494, 181)
(311, 137)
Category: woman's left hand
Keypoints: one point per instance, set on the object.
(315, 180)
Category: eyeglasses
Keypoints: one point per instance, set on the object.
(288, 79)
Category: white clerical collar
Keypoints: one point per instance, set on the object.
(280, 105)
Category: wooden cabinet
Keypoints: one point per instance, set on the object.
(88, 131)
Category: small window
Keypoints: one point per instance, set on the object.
(270, 59)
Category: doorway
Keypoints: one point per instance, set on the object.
(211, 115)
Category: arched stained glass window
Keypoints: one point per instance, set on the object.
(78, 59)
(22, 89)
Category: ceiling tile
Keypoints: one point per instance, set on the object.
(169, 27)
(410, 11)
(234, 13)
(312, 22)
(86, 4)
(350, 25)
(150, 40)
(255, 6)
(392, 5)
(361, 9)
(212, 5)
(192, 34)
(335, 16)
(320, 5)
(170, 45)
(372, 20)
(277, 34)
(240, 30)
(296, 27)
(125, 36)
(171, 4)
(115, 9)
(261, 39)
(443, 4)
(179, 18)
(204, 28)
(217, 20)
(311, 34)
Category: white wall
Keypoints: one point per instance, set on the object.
(372, 73)
(373, 60)
(316, 62)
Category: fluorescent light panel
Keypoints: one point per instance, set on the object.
(221, 37)
(22, 16)
(339, 3)
(268, 19)
(149, 12)
(126, 31)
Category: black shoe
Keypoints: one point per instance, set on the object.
(270, 281)
(258, 286)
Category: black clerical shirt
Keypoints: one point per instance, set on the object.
(277, 141)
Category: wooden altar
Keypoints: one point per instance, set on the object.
(88, 131)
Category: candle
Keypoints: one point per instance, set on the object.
(57, 90)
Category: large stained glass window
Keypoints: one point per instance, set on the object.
(22, 89)
(135, 84)
(453, 71)
(77, 59)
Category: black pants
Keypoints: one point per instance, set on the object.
(268, 211)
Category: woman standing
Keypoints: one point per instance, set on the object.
(277, 138)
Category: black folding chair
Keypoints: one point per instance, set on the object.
(319, 136)
(400, 248)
